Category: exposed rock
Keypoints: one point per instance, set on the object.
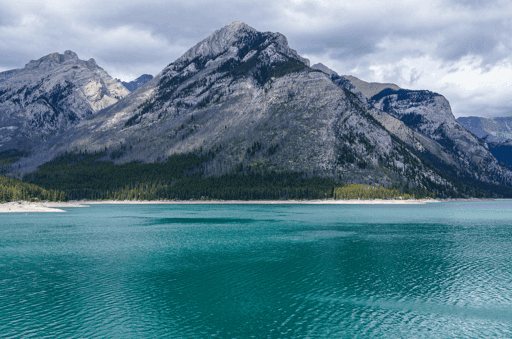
(369, 89)
(50, 95)
(430, 114)
(495, 130)
(241, 38)
(321, 67)
(254, 101)
(503, 152)
(135, 84)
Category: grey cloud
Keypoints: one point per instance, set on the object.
(475, 4)
(482, 110)
(343, 43)
(128, 38)
(475, 42)
(8, 17)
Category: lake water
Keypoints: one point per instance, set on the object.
(258, 271)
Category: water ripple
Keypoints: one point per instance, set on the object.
(197, 272)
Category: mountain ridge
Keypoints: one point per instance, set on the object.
(258, 105)
(495, 130)
(49, 95)
(135, 84)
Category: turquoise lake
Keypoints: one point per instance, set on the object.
(441, 270)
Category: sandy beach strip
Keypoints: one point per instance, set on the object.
(263, 202)
(25, 206)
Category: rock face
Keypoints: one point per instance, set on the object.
(133, 85)
(50, 95)
(321, 67)
(254, 101)
(429, 114)
(257, 103)
(495, 130)
(424, 121)
(503, 152)
(369, 89)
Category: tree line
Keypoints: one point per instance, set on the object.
(357, 191)
(79, 176)
(14, 190)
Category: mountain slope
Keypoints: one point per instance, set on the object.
(424, 121)
(493, 130)
(50, 95)
(251, 100)
(503, 152)
(257, 103)
(133, 85)
(429, 114)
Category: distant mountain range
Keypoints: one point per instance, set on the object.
(133, 85)
(258, 105)
(494, 130)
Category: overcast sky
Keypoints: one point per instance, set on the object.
(460, 49)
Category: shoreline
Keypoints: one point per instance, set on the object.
(31, 207)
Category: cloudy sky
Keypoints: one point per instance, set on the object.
(461, 49)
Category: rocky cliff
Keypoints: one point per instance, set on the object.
(50, 95)
(424, 121)
(429, 114)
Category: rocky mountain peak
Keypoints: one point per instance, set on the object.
(252, 102)
(133, 85)
(370, 89)
(219, 41)
(239, 38)
(53, 59)
(234, 53)
(321, 67)
(91, 63)
(70, 55)
(50, 95)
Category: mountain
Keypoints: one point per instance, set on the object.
(322, 68)
(503, 152)
(251, 100)
(50, 95)
(495, 130)
(133, 85)
(424, 121)
(369, 89)
(429, 114)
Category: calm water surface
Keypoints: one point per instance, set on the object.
(258, 271)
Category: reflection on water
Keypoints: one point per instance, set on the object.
(195, 271)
